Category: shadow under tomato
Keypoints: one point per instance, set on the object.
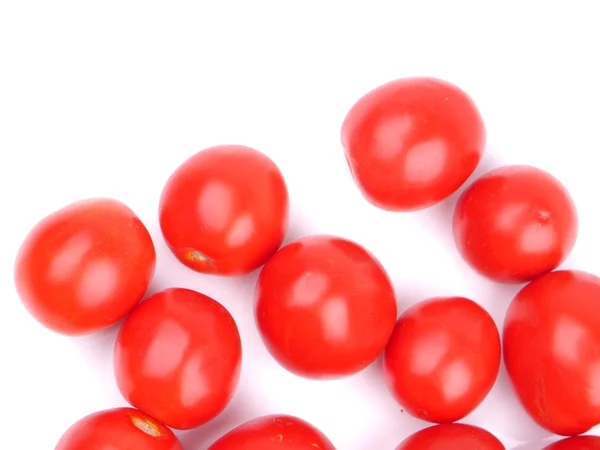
(239, 411)
(393, 422)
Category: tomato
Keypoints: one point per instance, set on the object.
(443, 358)
(118, 429)
(412, 142)
(178, 358)
(275, 432)
(515, 223)
(225, 210)
(452, 436)
(552, 350)
(325, 307)
(84, 267)
(577, 443)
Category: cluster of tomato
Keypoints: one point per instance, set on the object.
(325, 307)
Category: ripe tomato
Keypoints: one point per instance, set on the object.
(325, 307)
(412, 142)
(552, 350)
(178, 358)
(452, 436)
(276, 432)
(577, 443)
(443, 358)
(515, 223)
(118, 429)
(225, 210)
(85, 266)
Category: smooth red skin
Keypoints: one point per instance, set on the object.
(84, 267)
(412, 142)
(115, 429)
(430, 341)
(576, 443)
(453, 436)
(305, 295)
(275, 432)
(225, 210)
(552, 350)
(178, 358)
(515, 223)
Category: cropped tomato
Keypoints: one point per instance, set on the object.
(452, 436)
(85, 266)
(325, 307)
(276, 432)
(515, 223)
(225, 210)
(552, 350)
(178, 358)
(576, 443)
(412, 142)
(443, 358)
(118, 429)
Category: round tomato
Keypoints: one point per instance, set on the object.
(552, 350)
(577, 443)
(85, 266)
(412, 142)
(178, 358)
(452, 436)
(225, 210)
(276, 432)
(118, 429)
(325, 307)
(443, 358)
(515, 223)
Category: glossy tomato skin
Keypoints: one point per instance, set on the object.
(576, 443)
(412, 142)
(452, 436)
(552, 350)
(443, 358)
(225, 210)
(515, 223)
(84, 267)
(178, 358)
(325, 307)
(274, 432)
(118, 429)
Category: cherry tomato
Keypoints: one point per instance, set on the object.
(552, 350)
(412, 142)
(276, 432)
(178, 358)
(118, 429)
(325, 307)
(515, 223)
(577, 443)
(452, 436)
(225, 210)
(443, 358)
(85, 266)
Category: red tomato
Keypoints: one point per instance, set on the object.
(412, 142)
(325, 307)
(85, 266)
(225, 210)
(577, 443)
(515, 223)
(552, 350)
(276, 432)
(443, 358)
(452, 436)
(118, 429)
(178, 358)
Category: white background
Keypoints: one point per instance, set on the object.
(107, 98)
